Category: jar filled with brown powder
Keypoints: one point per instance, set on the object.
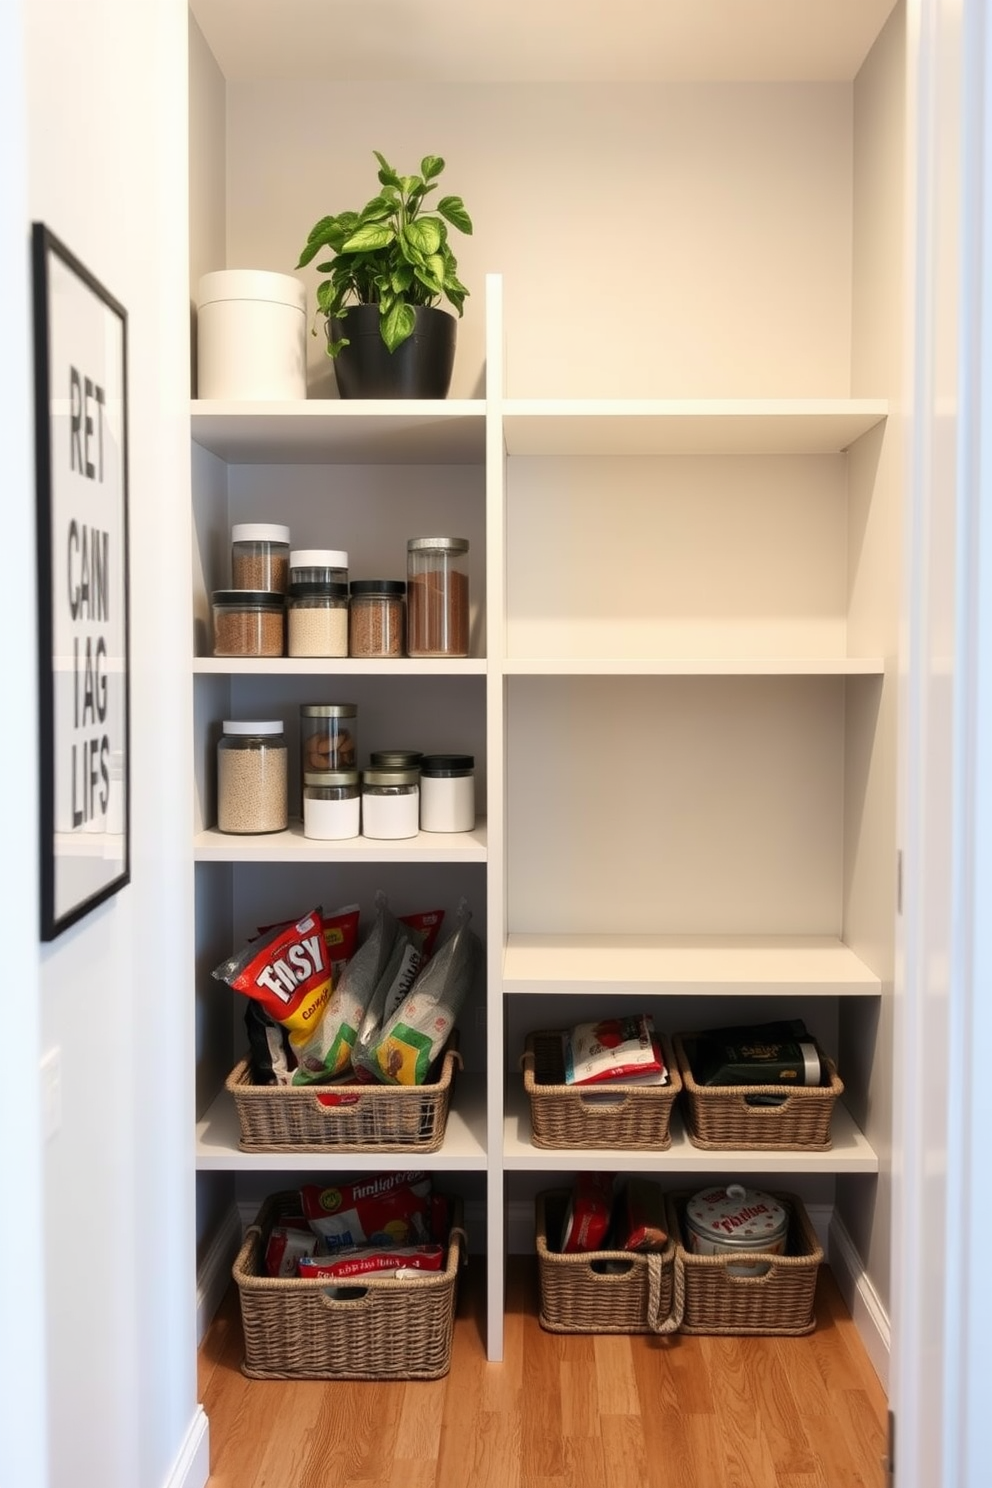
(437, 596)
(248, 622)
(260, 556)
(376, 619)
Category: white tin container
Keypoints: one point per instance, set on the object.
(390, 803)
(331, 805)
(447, 793)
(735, 1219)
(251, 336)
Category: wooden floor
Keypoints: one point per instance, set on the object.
(561, 1412)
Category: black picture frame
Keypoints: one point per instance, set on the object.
(81, 473)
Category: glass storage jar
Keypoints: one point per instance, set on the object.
(260, 556)
(331, 805)
(396, 759)
(390, 803)
(437, 621)
(328, 737)
(447, 793)
(318, 566)
(317, 620)
(248, 622)
(252, 778)
(376, 619)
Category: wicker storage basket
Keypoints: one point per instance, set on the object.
(741, 1117)
(779, 1302)
(382, 1328)
(579, 1296)
(571, 1116)
(375, 1118)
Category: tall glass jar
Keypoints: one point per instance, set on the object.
(437, 596)
(252, 777)
(328, 737)
(376, 619)
(331, 805)
(260, 556)
(317, 620)
(390, 803)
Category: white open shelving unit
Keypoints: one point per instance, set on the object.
(663, 700)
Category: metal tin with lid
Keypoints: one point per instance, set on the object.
(447, 793)
(732, 1219)
(395, 759)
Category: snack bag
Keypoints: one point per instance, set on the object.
(412, 1037)
(587, 1216)
(641, 1222)
(287, 1245)
(398, 1260)
(340, 935)
(398, 976)
(386, 1209)
(288, 972)
(613, 1049)
(272, 1058)
(427, 925)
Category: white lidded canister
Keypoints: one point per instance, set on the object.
(447, 793)
(251, 335)
(733, 1220)
(331, 805)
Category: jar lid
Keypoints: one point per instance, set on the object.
(328, 710)
(396, 759)
(314, 589)
(266, 726)
(738, 1216)
(259, 532)
(437, 544)
(331, 777)
(391, 777)
(245, 597)
(318, 558)
(447, 764)
(251, 284)
(378, 586)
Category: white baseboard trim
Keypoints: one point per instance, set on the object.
(860, 1297)
(192, 1467)
(214, 1276)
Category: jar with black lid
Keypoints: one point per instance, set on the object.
(248, 622)
(317, 619)
(377, 619)
(447, 793)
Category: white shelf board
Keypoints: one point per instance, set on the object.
(850, 1153)
(464, 1147)
(329, 431)
(694, 666)
(687, 426)
(308, 666)
(786, 965)
(291, 846)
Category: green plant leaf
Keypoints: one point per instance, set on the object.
(377, 209)
(424, 235)
(333, 347)
(387, 175)
(453, 208)
(398, 325)
(368, 238)
(401, 278)
(409, 184)
(325, 296)
(325, 268)
(431, 166)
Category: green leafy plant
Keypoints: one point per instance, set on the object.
(392, 253)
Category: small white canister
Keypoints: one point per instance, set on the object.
(331, 805)
(732, 1219)
(447, 793)
(251, 336)
(390, 803)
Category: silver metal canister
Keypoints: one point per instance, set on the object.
(732, 1219)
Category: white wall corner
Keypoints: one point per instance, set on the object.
(860, 1297)
(214, 1273)
(192, 1466)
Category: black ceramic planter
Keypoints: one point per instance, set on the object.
(420, 367)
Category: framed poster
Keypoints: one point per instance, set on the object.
(80, 356)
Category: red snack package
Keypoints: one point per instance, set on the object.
(369, 1261)
(287, 1245)
(641, 1220)
(428, 927)
(587, 1217)
(287, 971)
(386, 1209)
(340, 936)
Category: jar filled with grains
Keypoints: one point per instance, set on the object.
(437, 596)
(331, 805)
(252, 790)
(318, 566)
(317, 620)
(248, 622)
(376, 620)
(390, 803)
(260, 556)
(328, 737)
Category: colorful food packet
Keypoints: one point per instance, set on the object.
(385, 1209)
(287, 1245)
(287, 971)
(374, 1261)
(612, 1049)
(641, 1222)
(588, 1213)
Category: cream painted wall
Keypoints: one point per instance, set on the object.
(107, 172)
(631, 224)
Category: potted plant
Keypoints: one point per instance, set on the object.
(392, 263)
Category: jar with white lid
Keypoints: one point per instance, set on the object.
(390, 803)
(317, 620)
(732, 1219)
(437, 614)
(248, 622)
(252, 777)
(331, 805)
(447, 793)
(260, 556)
(318, 566)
